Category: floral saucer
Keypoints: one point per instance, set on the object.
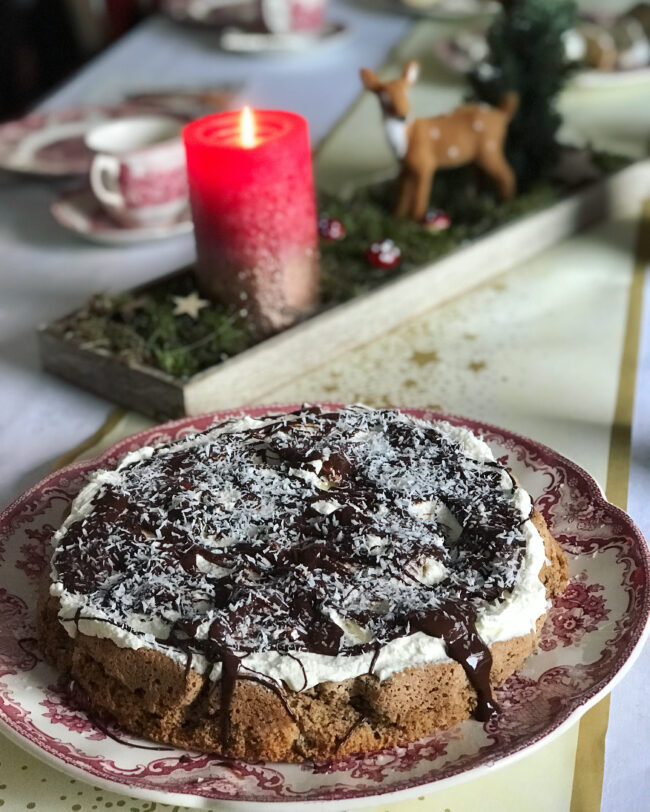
(238, 41)
(79, 211)
(592, 635)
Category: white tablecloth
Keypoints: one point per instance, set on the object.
(45, 272)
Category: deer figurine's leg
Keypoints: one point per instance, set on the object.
(508, 187)
(505, 179)
(422, 194)
(406, 190)
(493, 162)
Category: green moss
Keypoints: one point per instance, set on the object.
(367, 217)
(139, 327)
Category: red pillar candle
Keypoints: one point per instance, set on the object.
(252, 197)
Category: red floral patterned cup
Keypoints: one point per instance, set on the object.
(138, 173)
(284, 16)
(271, 16)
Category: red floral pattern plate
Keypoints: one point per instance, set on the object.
(53, 144)
(464, 51)
(590, 639)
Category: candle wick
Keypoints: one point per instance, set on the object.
(247, 128)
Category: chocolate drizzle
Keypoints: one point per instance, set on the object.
(229, 670)
(80, 701)
(105, 730)
(464, 645)
(329, 533)
(373, 662)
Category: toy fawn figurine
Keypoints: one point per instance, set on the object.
(473, 133)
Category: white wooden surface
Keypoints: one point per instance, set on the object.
(251, 375)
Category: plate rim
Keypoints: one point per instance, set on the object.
(444, 14)
(78, 114)
(87, 115)
(332, 33)
(352, 798)
(582, 78)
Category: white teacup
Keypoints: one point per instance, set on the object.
(139, 173)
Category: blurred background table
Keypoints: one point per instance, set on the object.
(46, 273)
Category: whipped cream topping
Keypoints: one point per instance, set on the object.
(310, 546)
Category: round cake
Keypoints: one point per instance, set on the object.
(299, 586)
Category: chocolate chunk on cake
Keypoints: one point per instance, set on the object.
(299, 586)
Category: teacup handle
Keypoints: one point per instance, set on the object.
(106, 166)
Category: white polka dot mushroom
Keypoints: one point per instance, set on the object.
(436, 220)
(330, 228)
(384, 254)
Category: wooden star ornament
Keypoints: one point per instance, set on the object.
(189, 305)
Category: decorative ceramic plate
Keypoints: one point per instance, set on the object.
(242, 40)
(207, 13)
(461, 54)
(79, 211)
(245, 42)
(603, 79)
(590, 639)
(188, 102)
(444, 10)
(53, 143)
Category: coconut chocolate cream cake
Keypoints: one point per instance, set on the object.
(299, 586)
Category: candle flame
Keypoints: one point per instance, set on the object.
(247, 128)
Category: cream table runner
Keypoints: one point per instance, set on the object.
(548, 350)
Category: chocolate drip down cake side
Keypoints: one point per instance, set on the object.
(299, 586)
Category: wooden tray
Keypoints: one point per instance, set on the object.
(249, 376)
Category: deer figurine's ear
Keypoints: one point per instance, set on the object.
(370, 80)
(411, 72)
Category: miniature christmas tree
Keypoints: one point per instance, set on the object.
(527, 54)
